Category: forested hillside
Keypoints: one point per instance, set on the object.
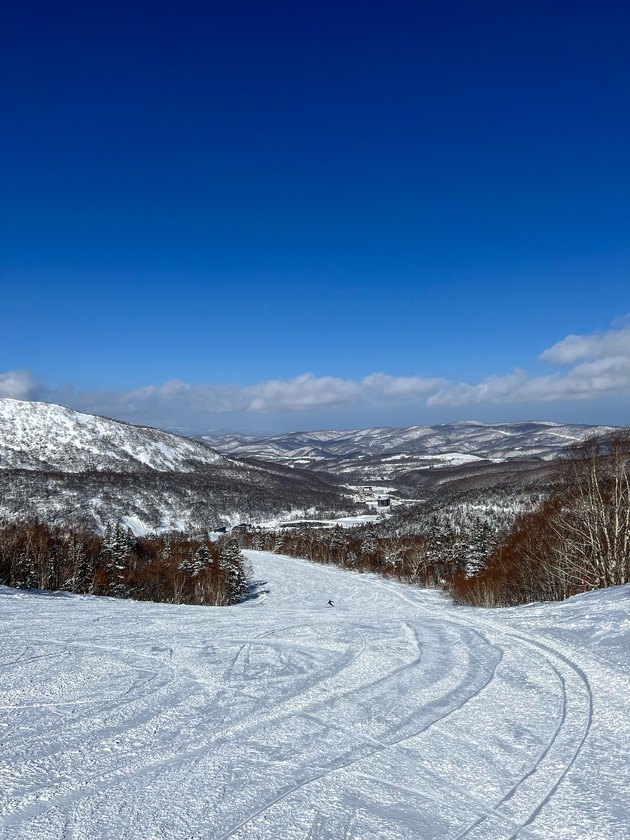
(61, 466)
(496, 547)
(171, 568)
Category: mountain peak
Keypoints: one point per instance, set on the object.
(47, 436)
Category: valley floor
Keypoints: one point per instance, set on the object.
(391, 715)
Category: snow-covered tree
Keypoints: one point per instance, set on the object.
(231, 562)
(201, 559)
(479, 547)
(280, 542)
(24, 575)
(117, 545)
(351, 559)
(337, 544)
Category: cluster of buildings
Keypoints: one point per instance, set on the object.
(368, 494)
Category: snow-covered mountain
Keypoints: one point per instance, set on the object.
(370, 454)
(58, 465)
(45, 436)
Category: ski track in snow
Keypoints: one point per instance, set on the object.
(393, 715)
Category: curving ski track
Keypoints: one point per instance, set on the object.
(392, 715)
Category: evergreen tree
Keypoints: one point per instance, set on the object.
(50, 570)
(351, 559)
(337, 544)
(231, 561)
(117, 545)
(280, 542)
(201, 559)
(369, 544)
(481, 543)
(24, 575)
(187, 564)
(81, 566)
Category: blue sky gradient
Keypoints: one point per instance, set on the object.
(230, 193)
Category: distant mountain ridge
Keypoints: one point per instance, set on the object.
(61, 465)
(423, 445)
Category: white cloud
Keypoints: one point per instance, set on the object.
(400, 386)
(20, 385)
(304, 392)
(596, 366)
(604, 371)
(574, 348)
(493, 389)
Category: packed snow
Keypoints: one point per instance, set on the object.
(391, 715)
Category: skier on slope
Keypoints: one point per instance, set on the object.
(330, 604)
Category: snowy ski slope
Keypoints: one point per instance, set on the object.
(393, 715)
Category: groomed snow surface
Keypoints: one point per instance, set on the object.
(391, 715)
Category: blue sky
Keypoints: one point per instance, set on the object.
(236, 214)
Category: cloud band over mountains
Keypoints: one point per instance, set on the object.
(593, 366)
